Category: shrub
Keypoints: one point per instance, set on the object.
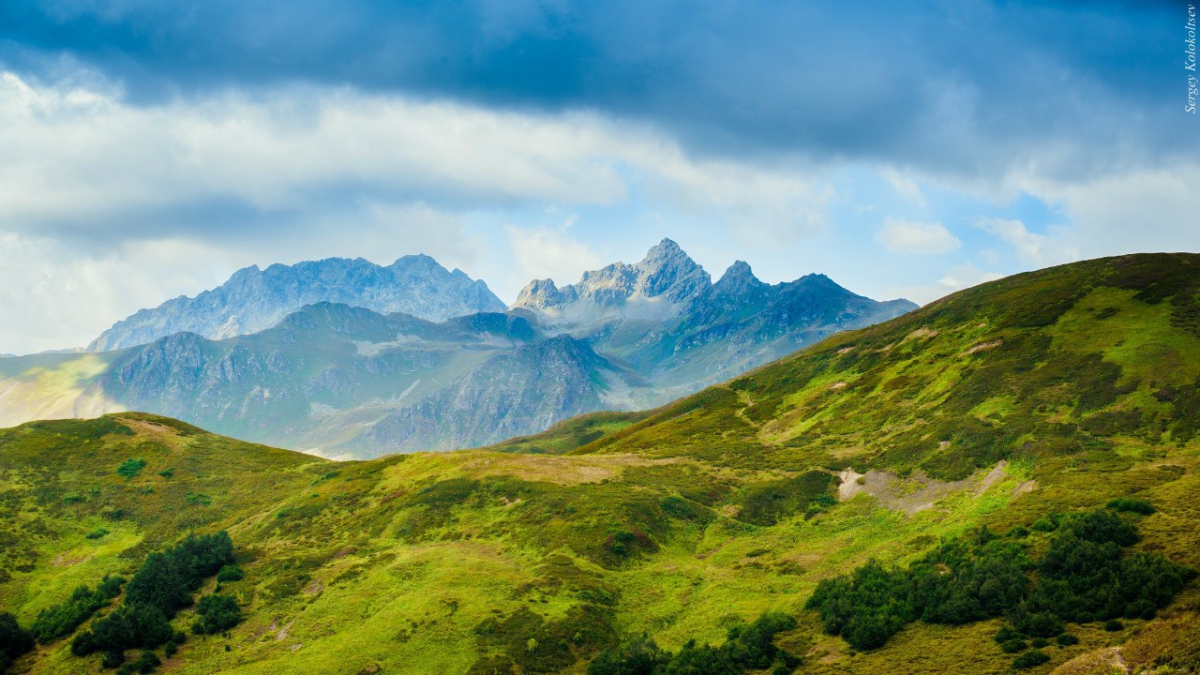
(1083, 576)
(14, 640)
(1039, 642)
(1066, 640)
(216, 614)
(748, 647)
(1130, 505)
(1113, 626)
(230, 573)
(1014, 646)
(1030, 659)
(98, 533)
(62, 620)
(131, 467)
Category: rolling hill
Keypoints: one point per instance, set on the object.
(1033, 407)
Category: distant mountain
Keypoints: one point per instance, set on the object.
(666, 318)
(254, 300)
(345, 380)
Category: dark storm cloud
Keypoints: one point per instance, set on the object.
(960, 86)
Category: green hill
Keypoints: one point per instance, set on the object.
(1020, 405)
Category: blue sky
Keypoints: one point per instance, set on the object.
(906, 149)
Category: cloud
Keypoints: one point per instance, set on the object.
(756, 78)
(1031, 248)
(551, 253)
(905, 236)
(905, 187)
(956, 279)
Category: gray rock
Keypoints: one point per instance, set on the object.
(254, 300)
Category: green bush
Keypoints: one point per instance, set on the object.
(230, 573)
(216, 614)
(1066, 640)
(1131, 505)
(14, 640)
(98, 533)
(1030, 659)
(1114, 626)
(131, 467)
(1083, 576)
(59, 621)
(748, 647)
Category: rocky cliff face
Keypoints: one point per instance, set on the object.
(659, 286)
(254, 300)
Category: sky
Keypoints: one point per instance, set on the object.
(150, 148)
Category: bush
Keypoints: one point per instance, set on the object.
(1066, 640)
(1013, 646)
(1130, 505)
(230, 573)
(62, 620)
(1039, 642)
(163, 585)
(1030, 659)
(216, 614)
(748, 647)
(14, 640)
(1083, 576)
(131, 467)
(98, 533)
(1113, 626)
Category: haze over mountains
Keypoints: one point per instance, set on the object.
(344, 372)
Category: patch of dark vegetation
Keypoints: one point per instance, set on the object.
(536, 645)
(748, 647)
(1083, 576)
(130, 468)
(15, 641)
(216, 614)
(1131, 505)
(769, 502)
(161, 587)
(60, 621)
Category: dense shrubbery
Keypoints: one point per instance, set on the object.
(748, 647)
(1131, 505)
(1082, 577)
(216, 614)
(14, 640)
(131, 467)
(62, 620)
(162, 586)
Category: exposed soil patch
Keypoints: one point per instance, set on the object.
(916, 493)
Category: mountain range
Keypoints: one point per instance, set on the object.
(1002, 481)
(254, 300)
(342, 379)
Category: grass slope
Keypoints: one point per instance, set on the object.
(1053, 391)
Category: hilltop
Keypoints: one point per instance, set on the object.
(1020, 405)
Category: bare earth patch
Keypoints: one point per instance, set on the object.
(916, 493)
(983, 346)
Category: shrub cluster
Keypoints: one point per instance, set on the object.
(62, 620)
(14, 640)
(216, 614)
(161, 587)
(749, 647)
(1082, 577)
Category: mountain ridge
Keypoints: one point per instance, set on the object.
(255, 299)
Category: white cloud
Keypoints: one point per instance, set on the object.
(906, 236)
(956, 279)
(1031, 248)
(551, 253)
(904, 186)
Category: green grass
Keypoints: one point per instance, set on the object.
(675, 523)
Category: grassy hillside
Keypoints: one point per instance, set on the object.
(1048, 393)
